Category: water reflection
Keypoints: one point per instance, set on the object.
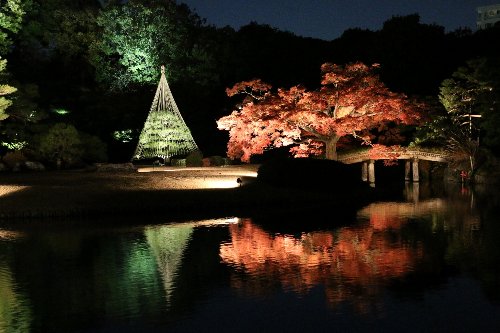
(15, 311)
(181, 275)
(348, 262)
(393, 215)
(391, 243)
(66, 279)
(167, 244)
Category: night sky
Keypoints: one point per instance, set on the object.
(327, 19)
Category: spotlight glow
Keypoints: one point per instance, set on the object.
(6, 190)
(206, 177)
(10, 235)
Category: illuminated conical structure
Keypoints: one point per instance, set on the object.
(165, 134)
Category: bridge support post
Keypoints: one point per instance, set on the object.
(416, 192)
(371, 171)
(407, 170)
(364, 171)
(412, 192)
(415, 170)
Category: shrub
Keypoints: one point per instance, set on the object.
(94, 150)
(13, 158)
(194, 159)
(179, 162)
(216, 161)
(61, 145)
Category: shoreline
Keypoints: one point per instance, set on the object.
(144, 197)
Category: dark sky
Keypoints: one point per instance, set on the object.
(327, 19)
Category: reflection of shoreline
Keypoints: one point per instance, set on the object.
(393, 214)
(10, 235)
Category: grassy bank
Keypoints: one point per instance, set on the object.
(147, 196)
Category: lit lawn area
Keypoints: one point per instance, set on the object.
(163, 192)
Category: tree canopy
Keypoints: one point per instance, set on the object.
(351, 101)
(99, 60)
(11, 17)
(140, 36)
(470, 115)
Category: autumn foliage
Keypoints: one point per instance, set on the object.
(351, 100)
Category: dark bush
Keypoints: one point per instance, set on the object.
(13, 158)
(194, 159)
(94, 150)
(216, 161)
(311, 174)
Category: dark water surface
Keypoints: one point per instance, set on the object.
(427, 261)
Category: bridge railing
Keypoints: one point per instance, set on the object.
(404, 154)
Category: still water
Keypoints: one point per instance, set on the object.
(425, 261)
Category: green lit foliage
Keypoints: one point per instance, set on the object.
(14, 144)
(63, 145)
(11, 17)
(60, 111)
(17, 132)
(5, 90)
(59, 28)
(140, 36)
(470, 99)
(25, 111)
(487, 73)
(124, 136)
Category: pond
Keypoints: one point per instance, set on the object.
(427, 260)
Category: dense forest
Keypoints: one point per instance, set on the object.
(78, 77)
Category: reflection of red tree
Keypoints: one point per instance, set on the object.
(345, 262)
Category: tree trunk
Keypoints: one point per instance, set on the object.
(331, 148)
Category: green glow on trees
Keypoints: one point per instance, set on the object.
(14, 144)
(11, 17)
(124, 135)
(135, 40)
(61, 144)
(64, 145)
(136, 37)
(5, 89)
(60, 111)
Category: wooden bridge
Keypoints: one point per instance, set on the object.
(411, 157)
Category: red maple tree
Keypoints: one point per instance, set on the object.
(351, 101)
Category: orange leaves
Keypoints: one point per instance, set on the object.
(352, 100)
(253, 87)
(354, 73)
(390, 154)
